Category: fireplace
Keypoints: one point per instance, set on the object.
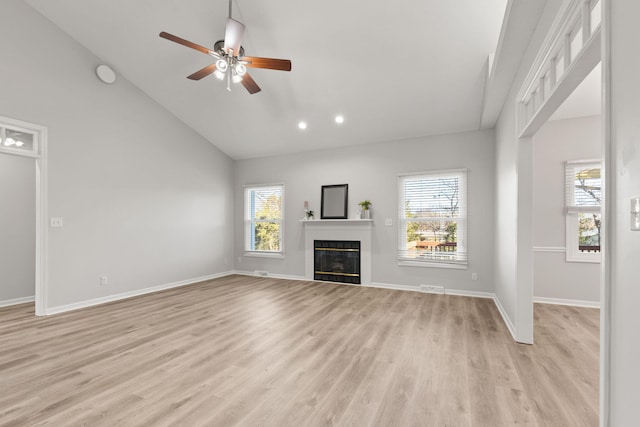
(337, 261)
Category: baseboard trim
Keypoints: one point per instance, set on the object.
(570, 302)
(411, 288)
(137, 292)
(472, 294)
(270, 275)
(16, 301)
(505, 318)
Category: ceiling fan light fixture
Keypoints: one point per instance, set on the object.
(221, 64)
(240, 69)
(236, 78)
(219, 74)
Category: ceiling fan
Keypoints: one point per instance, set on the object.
(231, 64)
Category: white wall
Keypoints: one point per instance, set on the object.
(371, 172)
(555, 143)
(145, 200)
(512, 171)
(17, 228)
(624, 183)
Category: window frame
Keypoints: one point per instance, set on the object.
(572, 214)
(462, 254)
(249, 222)
(33, 152)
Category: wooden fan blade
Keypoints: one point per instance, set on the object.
(200, 74)
(269, 63)
(187, 43)
(233, 36)
(250, 84)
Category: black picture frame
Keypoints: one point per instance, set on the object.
(334, 201)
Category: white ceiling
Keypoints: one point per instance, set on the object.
(394, 69)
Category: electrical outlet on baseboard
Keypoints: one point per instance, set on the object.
(432, 289)
(261, 273)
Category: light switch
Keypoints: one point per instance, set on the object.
(56, 222)
(635, 214)
(388, 222)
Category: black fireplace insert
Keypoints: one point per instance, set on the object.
(337, 261)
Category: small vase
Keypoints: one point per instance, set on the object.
(367, 214)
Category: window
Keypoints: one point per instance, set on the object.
(263, 220)
(583, 184)
(18, 140)
(432, 219)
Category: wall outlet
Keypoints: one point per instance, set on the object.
(104, 280)
(261, 273)
(56, 222)
(388, 222)
(474, 276)
(432, 289)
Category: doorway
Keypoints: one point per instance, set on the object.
(17, 229)
(23, 151)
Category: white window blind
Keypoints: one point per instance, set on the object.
(432, 218)
(583, 186)
(263, 218)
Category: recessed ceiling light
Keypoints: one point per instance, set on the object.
(106, 74)
(339, 119)
(302, 125)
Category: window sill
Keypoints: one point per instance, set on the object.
(276, 255)
(432, 264)
(589, 260)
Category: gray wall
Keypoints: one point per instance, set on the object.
(555, 143)
(17, 227)
(371, 172)
(145, 200)
(508, 157)
(623, 184)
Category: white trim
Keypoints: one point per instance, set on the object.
(433, 264)
(334, 221)
(505, 318)
(570, 302)
(270, 275)
(16, 301)
(137, 292)
(471, 294)
(554, 249)
(263, 254)
(607, 275)
(410, 288)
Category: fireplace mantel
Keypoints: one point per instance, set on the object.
(339, 229)
(333, 221)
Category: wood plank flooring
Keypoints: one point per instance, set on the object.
(243, 351)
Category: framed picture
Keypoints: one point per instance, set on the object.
(334, 201)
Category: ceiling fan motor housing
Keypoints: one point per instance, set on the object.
(218, 47)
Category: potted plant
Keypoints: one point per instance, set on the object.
(308, 214)
(365, 208)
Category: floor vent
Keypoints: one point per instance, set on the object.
(432, 289)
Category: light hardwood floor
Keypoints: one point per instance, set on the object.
(249, 352)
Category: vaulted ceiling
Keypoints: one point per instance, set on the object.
(395, 70)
